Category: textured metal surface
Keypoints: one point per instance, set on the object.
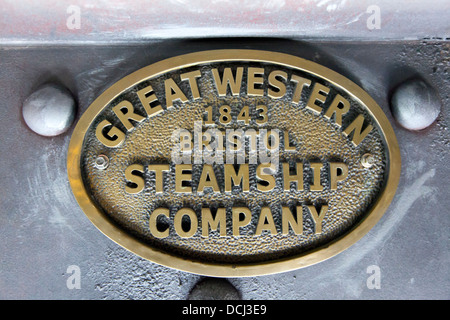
(42, 230)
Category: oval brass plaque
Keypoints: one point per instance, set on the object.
(234, 162)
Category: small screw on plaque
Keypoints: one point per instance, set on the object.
(367, 160)
(101, 162)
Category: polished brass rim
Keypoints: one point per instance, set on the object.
(131, 243)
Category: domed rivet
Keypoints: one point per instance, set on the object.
(50, 110)
(214, 289)
(415, 105)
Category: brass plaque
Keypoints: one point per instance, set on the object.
(234, 162)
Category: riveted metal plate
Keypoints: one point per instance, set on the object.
(234, 162)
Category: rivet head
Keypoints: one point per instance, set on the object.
(101, 162)
(50, 110)
(367, 160)
(415, 105)
(214, 289)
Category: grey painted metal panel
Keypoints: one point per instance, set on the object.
(43, 231)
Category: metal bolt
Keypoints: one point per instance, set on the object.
(415, 105)
(50, 110)
(101, 162)
(214, 289)
(367, 160)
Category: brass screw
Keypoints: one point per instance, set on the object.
(367, 160)
(101, 162)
